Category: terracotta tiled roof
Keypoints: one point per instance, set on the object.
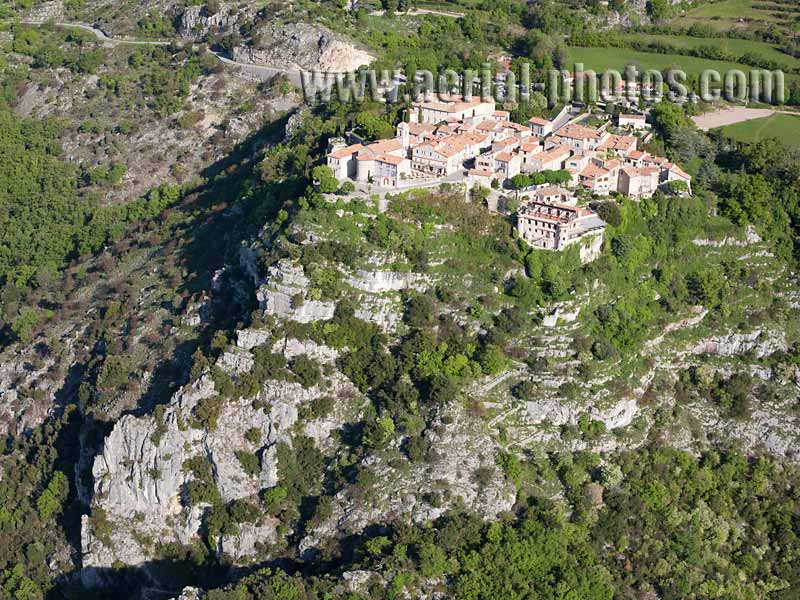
(678, 171)
(390, 158)
(641, 171)
(579, 132)
(384, 146)
(553, 154)
(618, 142)
(593, 171)
(346, 151)
(514, 126)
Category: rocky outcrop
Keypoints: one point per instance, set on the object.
(235, 361)
(197, 22)
(302, 46)
(250, 338)
(250, 538)
(291, 348)
(46, 11)
(561, 314)
(762, 343)
(190, 593)
(140, 477)
(460, 470)
(751, 237)
(283, 295)
(554, 411)
(377, 282)
(31, 380)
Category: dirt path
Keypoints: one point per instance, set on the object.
(733, 114)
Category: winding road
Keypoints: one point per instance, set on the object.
(255, 71)
(98, 33)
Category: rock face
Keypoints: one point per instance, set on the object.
(751, 237)
(376, 295)
(190, 593)
(557, 412)
(302, 46)
(376, 282)
(196, 21)
(141, 476)
(284, 295)
(591, 248)
(251, 535)
(761, 343)
(459, 470)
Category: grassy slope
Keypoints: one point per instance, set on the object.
(601, 59)
(726, 14)
(733, 45)
(784, 127)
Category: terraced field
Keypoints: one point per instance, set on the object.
(743, 14)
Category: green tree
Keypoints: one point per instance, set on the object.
(324, 179)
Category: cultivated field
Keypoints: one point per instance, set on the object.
(743, 14)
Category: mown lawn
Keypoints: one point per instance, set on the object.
(784, 127)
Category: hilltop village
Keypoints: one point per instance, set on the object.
(473, 143)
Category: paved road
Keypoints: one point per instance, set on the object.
(99, 33)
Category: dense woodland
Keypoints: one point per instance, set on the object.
(585, 526)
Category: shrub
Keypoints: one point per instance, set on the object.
(249, 462)
(491, 359)
(306, 370)
(524, 390)
(253, 435)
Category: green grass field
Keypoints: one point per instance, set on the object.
(731, 45)
(784, 127)
(740, 14)
(602, 59)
